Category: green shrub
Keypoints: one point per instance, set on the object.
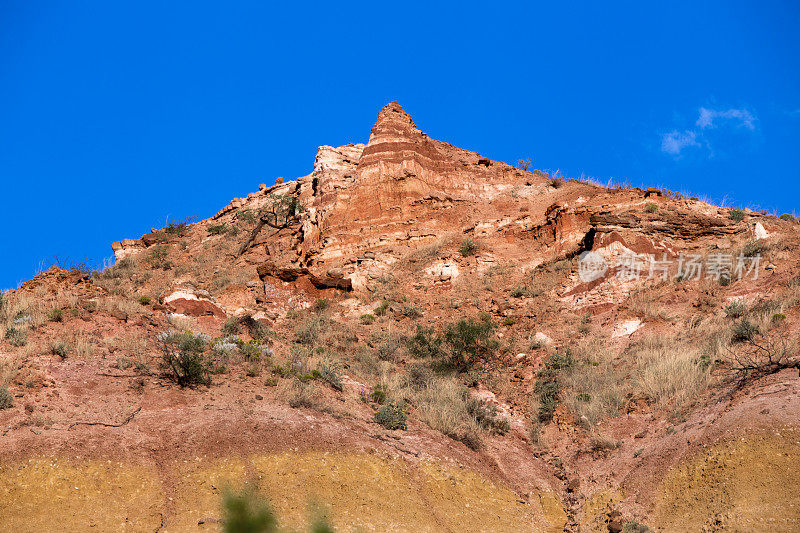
(548, 383)
(6, 400)
(737, 215)
(651, 208)
(754, 248)
(382, 309)
(509, 321)
(778, 317)
(220, 229)
(179, 227)
(231, 327)
(308, 331)
(145, 300)
(332, 374)
(470, 341)
(487, 416)
(411, 311)
(245, 512)
(60, 349)
(424, 343)
(392, 415)
(158, 257)
(378, 394)
(788, 217)
(367, 318)
(468, 247)
(55, 315)
(184, 357)
(253, 350)
(16, 337)
(735, 309)
(744, 331)
(321, 304)
(519, 292)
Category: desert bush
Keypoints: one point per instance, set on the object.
(6, 400)
(222, 229)
(179, 227)
(387, 346)
(411, 311)
(744, 331)
(424, 343)
(301, 394)
(158, 257)
(331, 373)
(737, 215)
(308, 332)
(256, 328)
(231, 327)
(470, 341)
(651, 208)
(392, 415)
(442, 404)
(419, 376)
(549, 382)
(55, 315)
(788, 217)
(754, 248)
(16, 336)
(382, 309)
(321, 304)
(145, 300)
(184, 357)
(367, 318)
(253, 350)
(735, 309)
(668, 373)
(60, 349)
(468, 247)
(487, 416)
(246, 512)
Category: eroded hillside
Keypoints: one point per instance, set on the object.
(417, 338)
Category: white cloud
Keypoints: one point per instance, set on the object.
(708, 116)
(675, 141)
(718, 121)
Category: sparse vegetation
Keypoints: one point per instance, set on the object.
(744, 331)
(468, 247)
(6, 400)
(392, 415)
(179, 227)
(651, 208)
(55, 315)
(737, 215)
(60, 349)
(158, 257)
(549, 383)
(754, 248)
(470, 341)
(16, 337)
(184, 357)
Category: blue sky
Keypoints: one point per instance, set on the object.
(116, 116)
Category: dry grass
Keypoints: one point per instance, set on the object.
(594, 390)
(667, 372)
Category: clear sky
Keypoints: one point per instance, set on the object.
(115, 116)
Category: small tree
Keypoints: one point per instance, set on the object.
(184, 357)
(280, 212)
(470, 341)
(762, 355)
